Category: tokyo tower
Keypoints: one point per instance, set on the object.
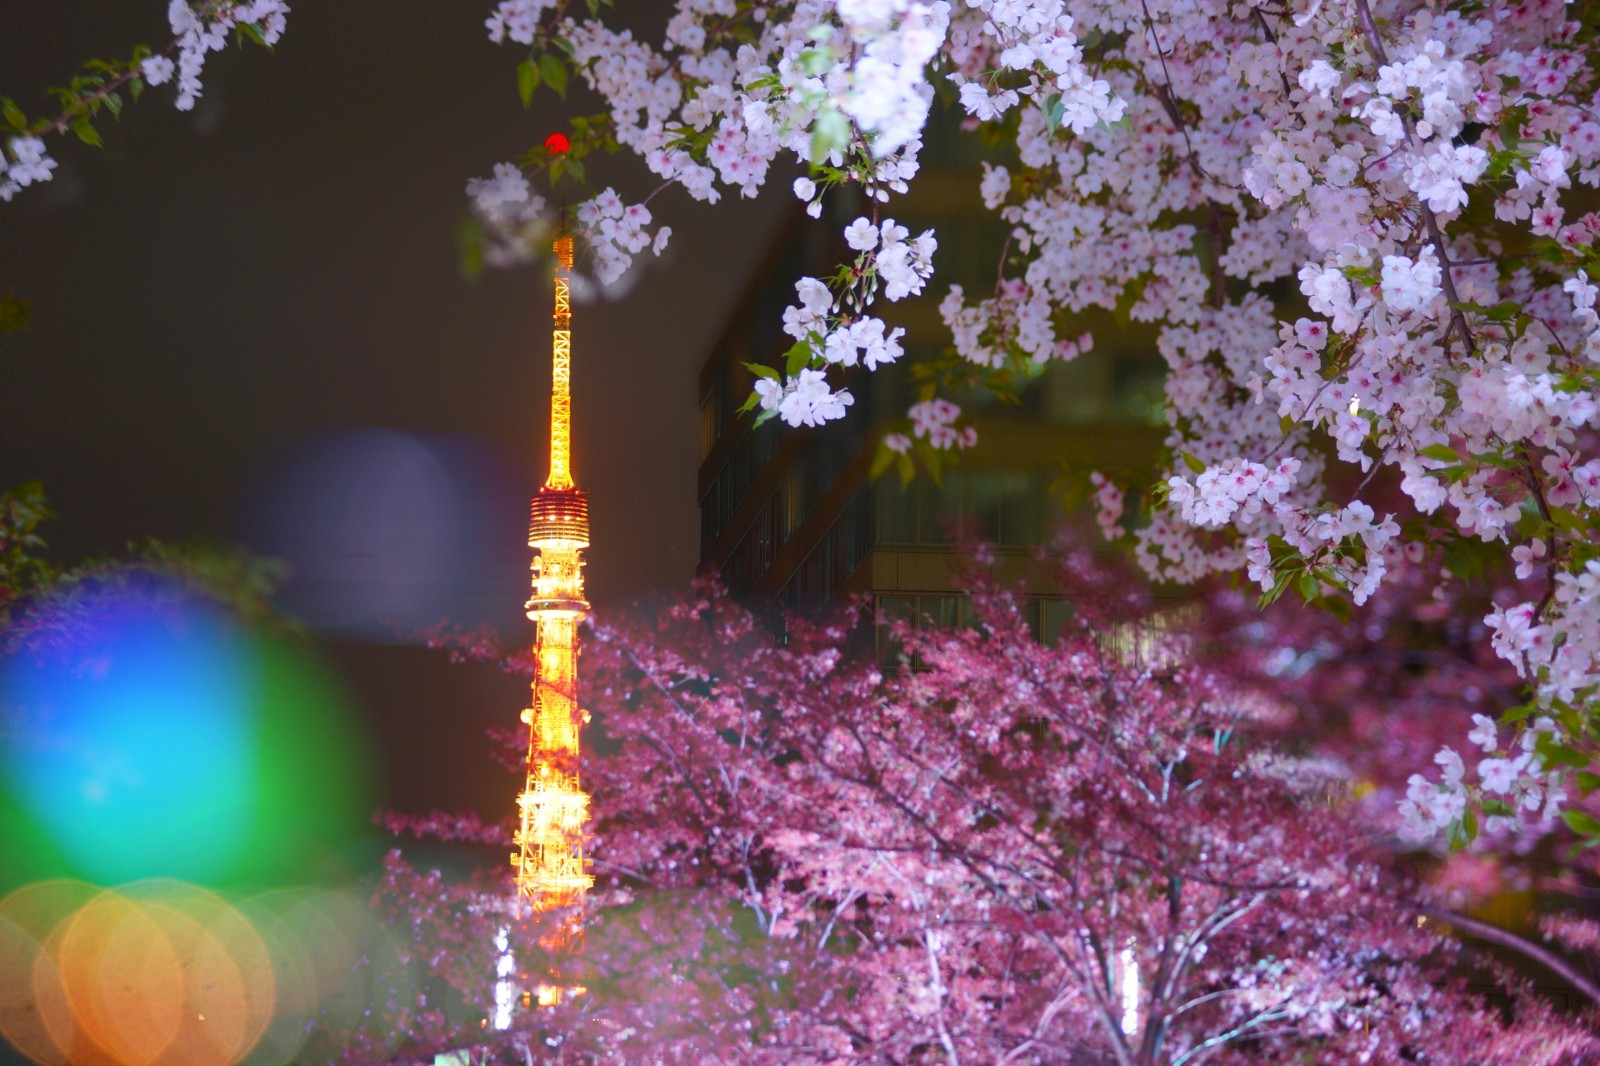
(550, 869)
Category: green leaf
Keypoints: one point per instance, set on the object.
(1556, 754)
(13, 313)
(1580, 822)
(1569, 520)
(527, 80)
(554, 73)
(762, 371)
(86, 132)
(1339, 607)
(1054, 112)
(1193, 464)
(13, 115)
(136, 88)
(830, 132)
(1511, 126)
(1517, 714)
(882, 459)
(1310, 587)
(469, 246)
(1500, 161)
(798, 358)
(905, 468)
(1588, 781)
(1271, 595)
(816, 61)
(1443, 453)
(1468, 558)
(1463, 830)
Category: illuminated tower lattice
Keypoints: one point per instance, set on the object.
(551, 871)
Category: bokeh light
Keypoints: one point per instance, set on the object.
(164, 973)
(147, 734)
(388, 534)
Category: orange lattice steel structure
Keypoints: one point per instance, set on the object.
(551, 871)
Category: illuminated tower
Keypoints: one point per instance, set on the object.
(551, 872)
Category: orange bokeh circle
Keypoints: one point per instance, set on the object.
(158, 973)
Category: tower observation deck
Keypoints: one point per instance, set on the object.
(550, 868)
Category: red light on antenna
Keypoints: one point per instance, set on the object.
(556, 143)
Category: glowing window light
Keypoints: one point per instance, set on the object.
(1127, 975)
(505, 985)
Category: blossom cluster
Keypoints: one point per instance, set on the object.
(805, 399)
(29, 163)
(615, 232)
(511, 213)
(1518, 780)
(516, 19)
(205, 29)
(1109, 501)
(935, 420)
(886, 259)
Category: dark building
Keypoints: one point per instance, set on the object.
(789, 516)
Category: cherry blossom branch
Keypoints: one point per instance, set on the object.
(1536, 486)
(1219, 276)
(1272, 39)
(1205, 1048)
(945, 1040)
(1458, 318)
(1057, 1004)
(90, 103)
(1165, 94)
(1511, 942)
(663, 187)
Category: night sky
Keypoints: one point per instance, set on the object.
(249, 326)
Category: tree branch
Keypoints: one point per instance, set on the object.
(1512, 942)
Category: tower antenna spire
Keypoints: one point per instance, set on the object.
(561, 366)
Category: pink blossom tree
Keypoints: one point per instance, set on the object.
(995, 851)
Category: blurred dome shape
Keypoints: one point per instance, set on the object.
(153, 736)
(388, 534)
